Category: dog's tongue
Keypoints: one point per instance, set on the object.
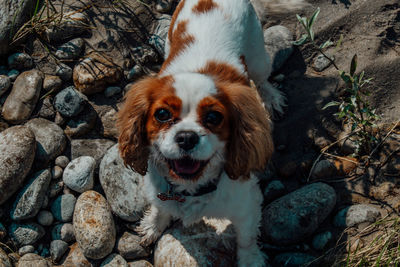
(186, 166)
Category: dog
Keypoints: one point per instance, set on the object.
(197, 130)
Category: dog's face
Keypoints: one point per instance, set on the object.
(191, 127)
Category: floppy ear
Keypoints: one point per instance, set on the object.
(250, 143)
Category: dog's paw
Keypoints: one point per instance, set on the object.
(252, 257)
(149, 234)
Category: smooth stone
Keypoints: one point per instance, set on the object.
(58, 249)
(82, 123)
(56, 172)
(26, 249)
(134, 73)
(50, 139)
(112, 90)
(79, 174)
(274, 189)
(128, 246)
(64, 232)
(278, 42)
(55, 188)
(24, 95)
(5, 84)
(71, 25)
(94, 225)
(52, 83)
(140, 263)
(75, 257)
(26, 234)
(4, 260)
(17, 142)
(62, 161)
(321, 240)
(95, 148)
(45, 218)
(46, 109)
(33, 260)
(355, 214)
(295, 216)
(114, 260)
(13, 74)
(293, 259)
(321, 63)
(30, 198)
(69, 102)
(122, 186)
(324, 169)
(163, 6)
(63, 207)
(20, 61)
(71, 49)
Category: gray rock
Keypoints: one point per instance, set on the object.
(56, 172)
(26, 234)
(4, 260)
(112, 90)
(321, 240)
(45, 218)
(324, 169)
(64, 232)
(45, 201)
(70, 50)
(75, 257)
(17, 142)
(278, 42)
(58, 249)
(52, 83)
(69, 102)
(293, 217)
(63, 207)
(78, 175)
(5, 83)
(94, 225)
(134, 73)
(26, 249)
(114, 260)
(356, 214)
(128, 246)
(82, 123)
(50, 139)
(13, 74)
(20, 61)
(33, 260)
(160, 33)
(122, 186)
(30, 198)
(23, 97)
(321, 63)
(72, 24)
(62, 161)
(46, 109)
(95, 148)
(140, 263)
(293, 259)
(55, 188)
(108, 118)
(274, 189)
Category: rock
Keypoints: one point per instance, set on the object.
(45, 201)
(46, 109)
(20, 61)
(26, 249)
(356, 214)
(78, 175)
(321, 240)
(53, 67)
(56, 172)
(14, 258)
(58, 249)
(199, 245)
(71, 25)
(30, 198)
(273, 190)
(3, 125)
(82, 123)
(76, 258)
(122, 186)
(111, 91)
(114, 260)
(134, 73)
(293, 217)
(95, 148)
(141, 263)
(33, 260)
(55, 188)
(69, 102)
(324, 169)
(160, 33)
(62, 161)
(5, 83)
(26, 234)
(94, 225)
(50, 139)
(17, 151)
(293, 259)
(64, 232)
(52, 83)
(94, 73)
(345, 165)
(163, 6)
(128, 246)
(3, 231)
(108, 120)
(63, 207)
(23, 97)
(321, 63)
(45, 218)
(278, 42)
(71, 49)
(13, 74)
(4, 260)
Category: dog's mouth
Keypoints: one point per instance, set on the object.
(186, 167)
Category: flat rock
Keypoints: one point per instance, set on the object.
(69, 102)
(94, 225)
(23, 97)
(297, 215)
(50, 140)
(17, 151)
(128, 246)
(26, 234)
(5, 83)
(20, 61)
(95, 148)
(321, 63)
(70, 50)
(278, 42)
(4, 260)
(33, 260)
(63, 207)
(122, 186)
(78, 175)
(63, 231)
(75, 257)
(114, 260)
(356, 214)
(30, 198)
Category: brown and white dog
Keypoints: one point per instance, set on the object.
(197, 130)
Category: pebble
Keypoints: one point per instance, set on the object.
(50, 139)
(82, 123)
(56, 172)
(274, 189)
(321, 63)
(4, 260)
(140, 263)
(23, 97)
(108, 120)
(55, 188)
(16, 142)
(30, 198)
(63, 207)
(95, 148)
(13, 74)
(114, 260)
(58, 249)
(62, 161)
(26, 234)
(75, 257)
(46, 109)
(295, 216)
(278, 42)
(72, 24)
(63, 71)
(321, 240)
(5, 84)
(324, 169)
(45, 218)
(355, 214)
(79, 174)
(122, 186)
(69, 102)
(293, 259)
(26, 249)
(163, 6)
(112, 90)
(70, 50)
(134, 73)
(128, 246)
(33, 260)
(20, 61)
(52, 83)
(64, 232)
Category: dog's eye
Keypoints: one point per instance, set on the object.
(213, 118)
(163, 115)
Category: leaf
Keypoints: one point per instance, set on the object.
(311, 35)
(353, 65)
(301, 41)
(313, 17)
(326, 44)
(331, 104)
(302, 20)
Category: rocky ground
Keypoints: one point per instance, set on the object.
(67, 200)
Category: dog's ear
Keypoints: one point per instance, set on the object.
(250, 145)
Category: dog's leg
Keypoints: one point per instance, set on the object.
(152, 225)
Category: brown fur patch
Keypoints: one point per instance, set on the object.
(173, 19)
(243, 61)
(224, 72)
(204, 6)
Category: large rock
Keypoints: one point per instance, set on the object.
(293, 217)
(78, 175)
(199, 245)
(30, 199)
(355, 214)
(69, 102)
(23, 97)
(33, 260)
(20, 61)
(26, 234)
(122, 186)
(4, 260)
(129, 247)
(94, 225)
(63, 207)
(17, 151)
(5, 83)
(50, 139)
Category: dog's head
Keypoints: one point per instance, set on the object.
(191, 126)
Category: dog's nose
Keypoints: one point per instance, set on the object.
(187, 139)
